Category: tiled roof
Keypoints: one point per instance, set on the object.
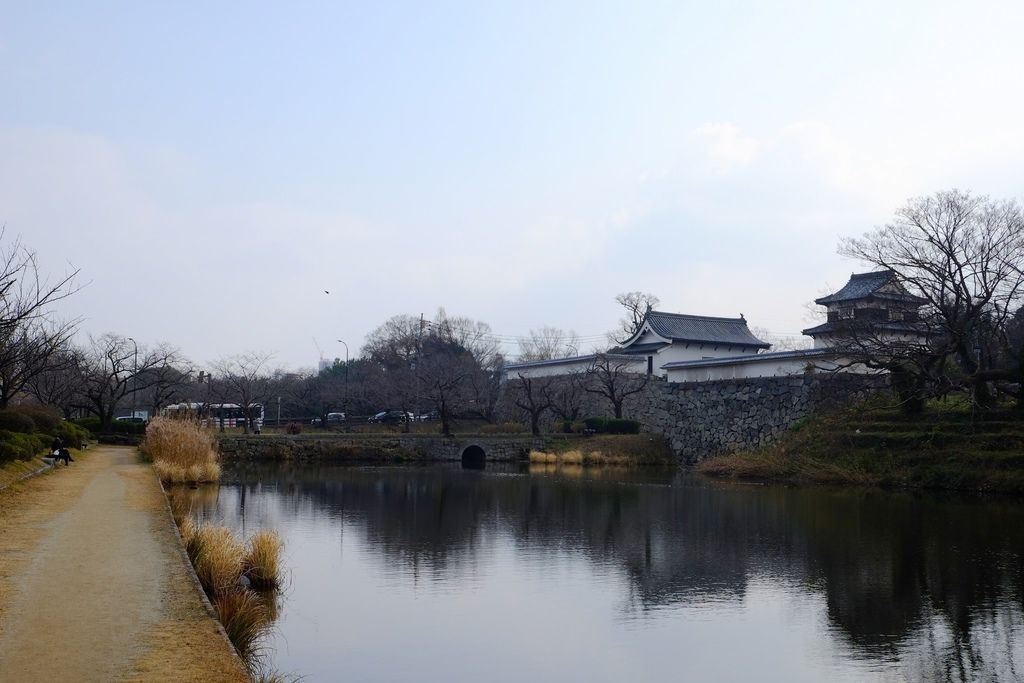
(864, 285)
(851, 325)
(706, 329)
(637, 349)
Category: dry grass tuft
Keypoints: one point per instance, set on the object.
(187, 529)
(181, 442)
(573, 457)
(217, 559)
(182, 451)
(541, 458)
(262, 560)
(245, 619)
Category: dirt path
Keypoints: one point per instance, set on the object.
(92, 584)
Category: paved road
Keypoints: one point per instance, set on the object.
(92, 584)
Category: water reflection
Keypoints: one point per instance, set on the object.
(668, 573)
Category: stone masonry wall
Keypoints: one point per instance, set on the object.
(374, 447)
(703, 419)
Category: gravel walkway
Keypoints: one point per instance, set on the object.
(92, 584)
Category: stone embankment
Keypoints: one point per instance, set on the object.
(378, 447)
(703, 419)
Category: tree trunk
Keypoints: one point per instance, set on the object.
(535, 423)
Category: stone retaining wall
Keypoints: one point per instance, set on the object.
(703, 419)
(374, 447)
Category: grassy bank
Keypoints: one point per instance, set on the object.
(241, 579)
(630, 450)
(946, 448)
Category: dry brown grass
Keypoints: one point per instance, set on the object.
(542, 458)
(262, 560)
(187, 529)
(245, 618)
(217, 558)
(182, 451)
(180, 442)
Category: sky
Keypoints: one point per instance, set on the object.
(212, 168)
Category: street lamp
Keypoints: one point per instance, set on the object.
(345, 401)
(135, 375)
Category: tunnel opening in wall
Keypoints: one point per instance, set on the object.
(473, 458)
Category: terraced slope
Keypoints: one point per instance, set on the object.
(942, 449)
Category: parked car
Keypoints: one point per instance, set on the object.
(428, 417)
(129, 418)
(390, 417)
(332, 419)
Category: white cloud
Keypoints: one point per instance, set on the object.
(726, 147)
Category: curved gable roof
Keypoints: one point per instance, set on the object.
(703, 329)
(865, 285)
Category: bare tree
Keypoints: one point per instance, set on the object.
(113, 368)
(613, 377)
(443, 372)
(567, 396)
(637, 304)
(963, 256)
(30, 334)
(245, 380)
(28, 350)
(60, 382)
(547, 343)
(167, 382)
(474, 336)
(25, 294)
(534, 396)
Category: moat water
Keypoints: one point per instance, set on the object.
(510, 574)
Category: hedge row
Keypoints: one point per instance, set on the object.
(27, 431)
(602, 425)
(116, 427)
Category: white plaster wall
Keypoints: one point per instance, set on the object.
(767, 368)
(679, 352)
(570, 365)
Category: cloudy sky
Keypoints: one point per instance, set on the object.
(212, 168)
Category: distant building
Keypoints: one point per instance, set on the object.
(663, 338)
(695, 348)
(870, 303)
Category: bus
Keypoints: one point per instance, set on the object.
(217, 414)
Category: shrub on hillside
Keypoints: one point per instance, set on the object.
(71, 434)
(45, 418)
(92, 424)
(622, 426)
(596, 424)
(19, 446)
(16, 421)
(503, 428)
(123, 427)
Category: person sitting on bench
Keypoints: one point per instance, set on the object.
(63, 454)
(58, 452)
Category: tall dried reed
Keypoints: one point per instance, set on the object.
(217, 557)
(245, 618)
(182, 451)
(261, 563)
